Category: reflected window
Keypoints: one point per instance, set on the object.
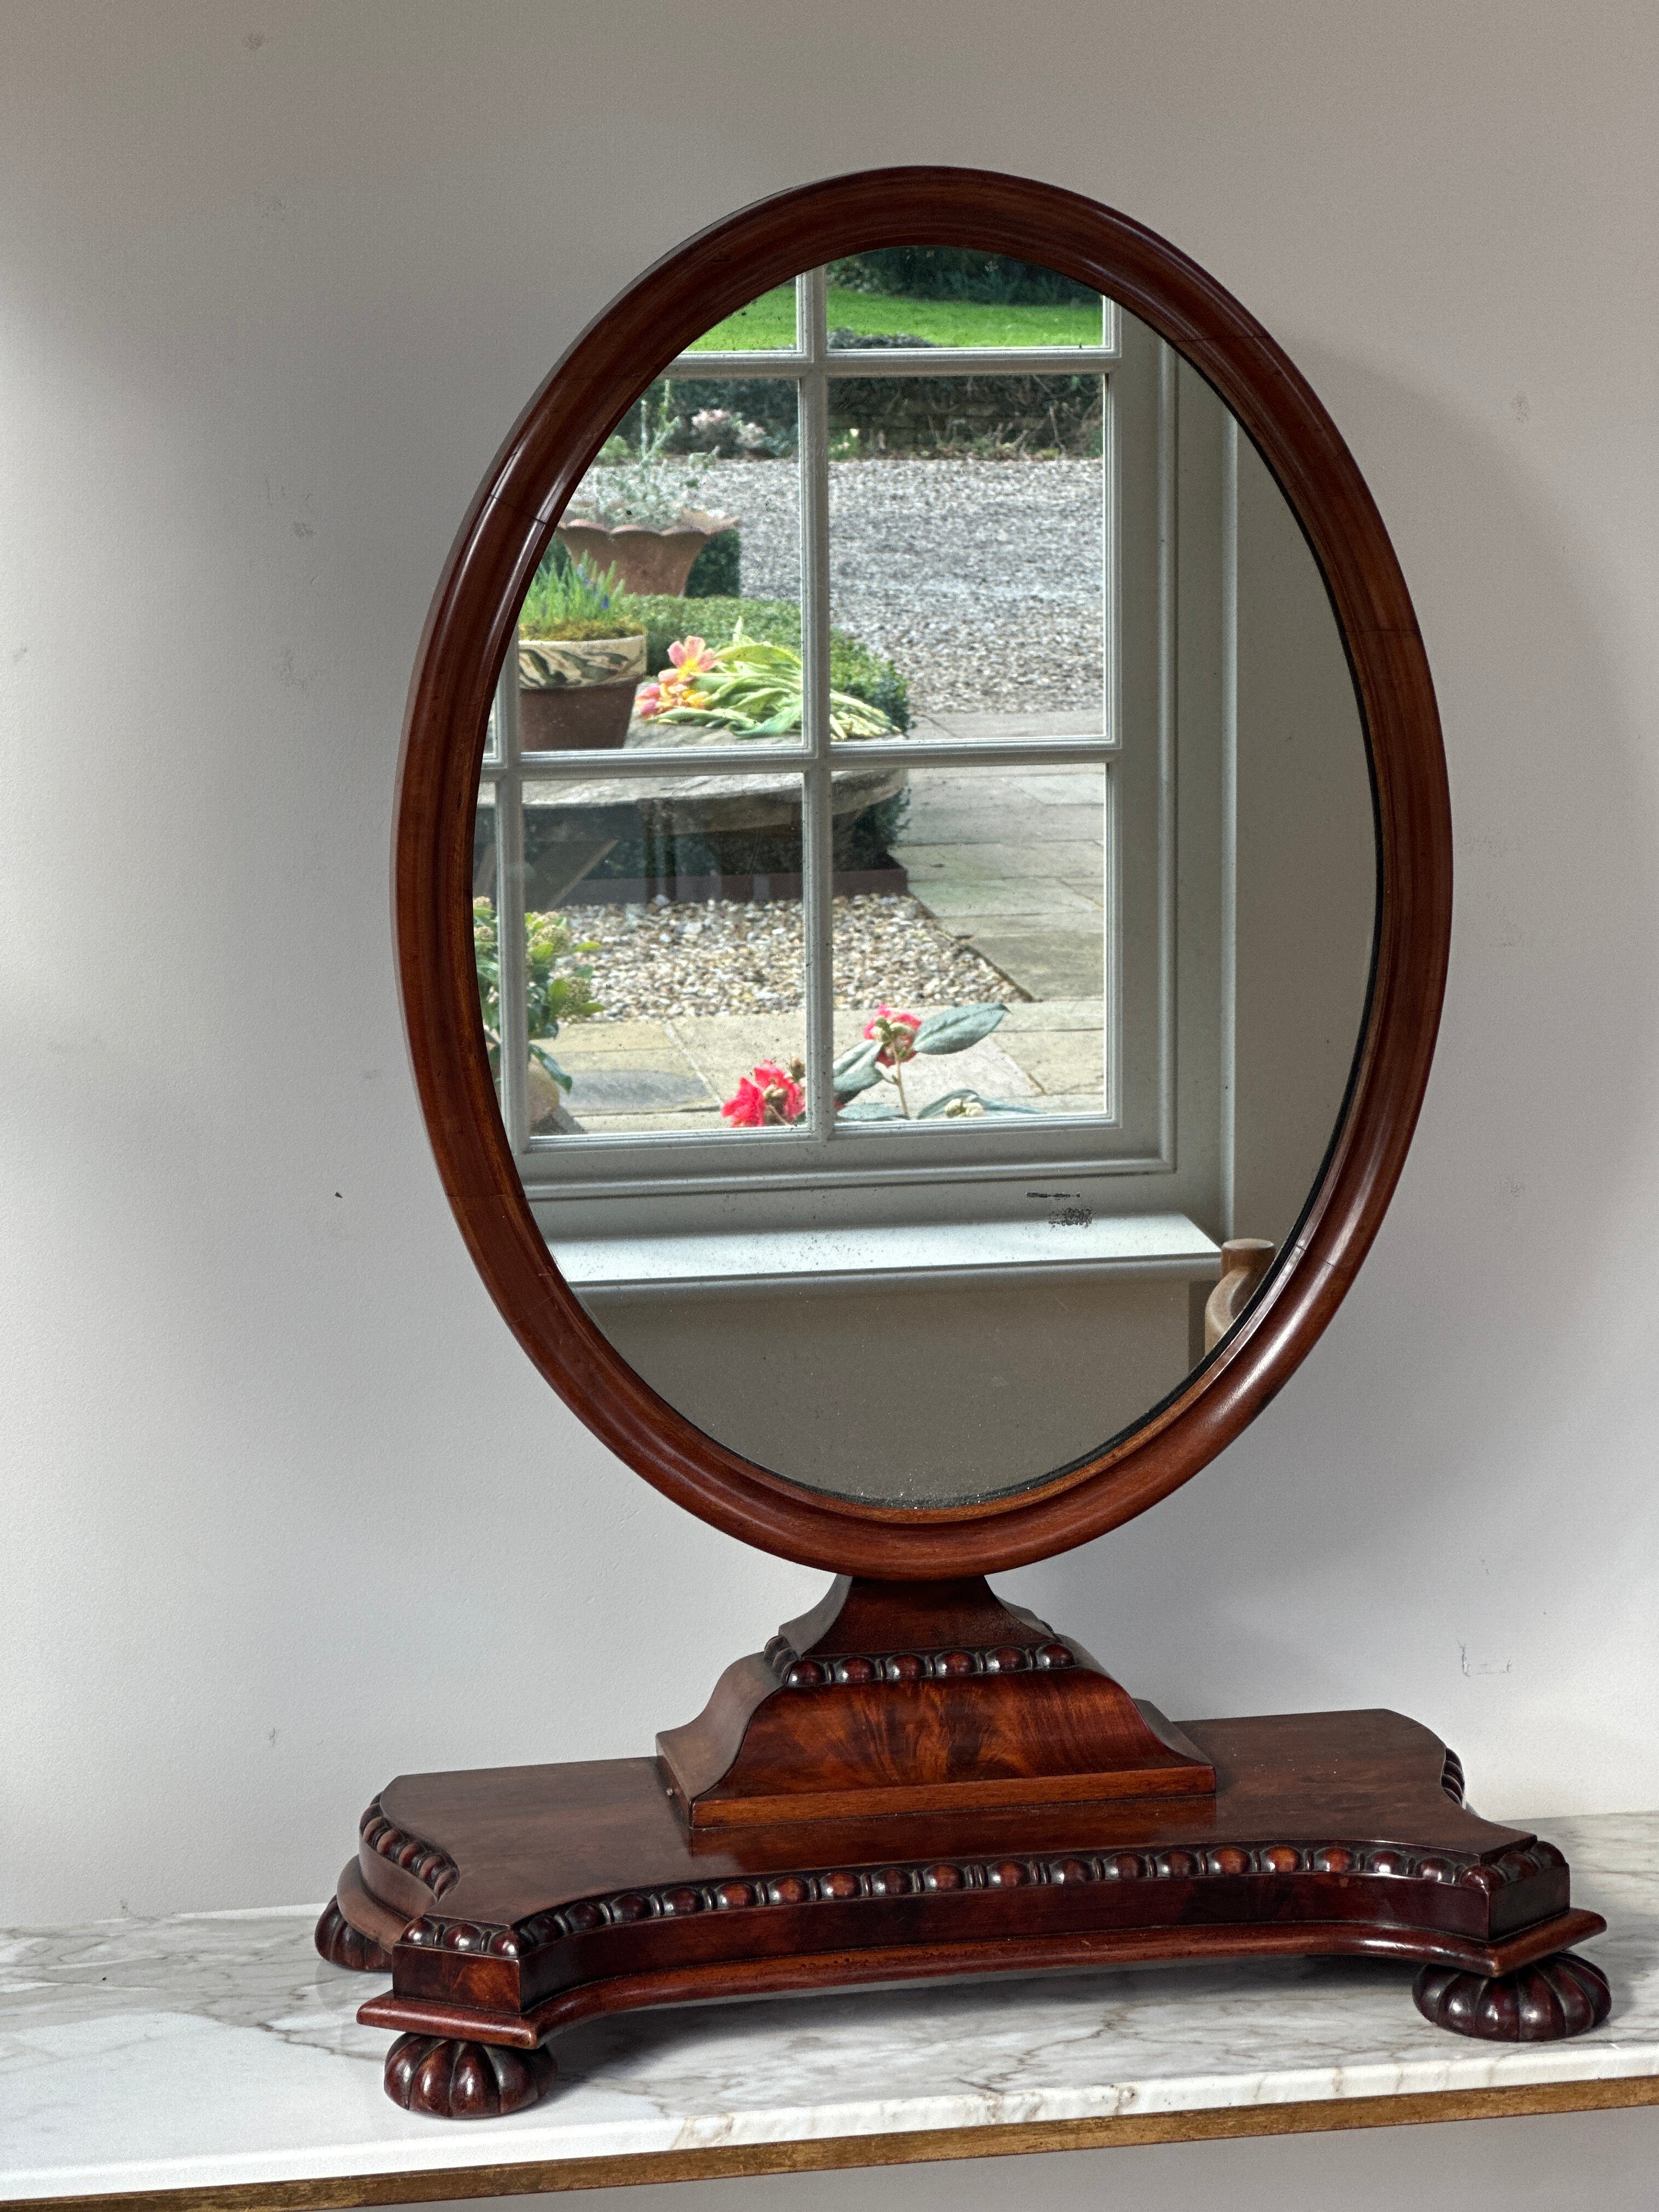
(924, 873)
(865, 524)
(919, 730)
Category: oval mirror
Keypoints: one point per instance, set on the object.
(923, 873)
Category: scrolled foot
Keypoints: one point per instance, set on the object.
(453, 2081)
(1556, 1996)
(343, 1945)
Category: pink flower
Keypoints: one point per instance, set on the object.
(769, 1097)
(690, 656)
(895, 1031)
(648, 700)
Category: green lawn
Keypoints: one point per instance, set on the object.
(769, 321)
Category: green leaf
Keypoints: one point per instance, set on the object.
(787, 717)
(956, 1029)
(856, 1069)
(546, 1061)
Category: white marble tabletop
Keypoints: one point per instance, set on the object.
(212, 2050)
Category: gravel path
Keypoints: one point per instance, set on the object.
(730, 957)
(982, 579)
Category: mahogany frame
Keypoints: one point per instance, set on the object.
(506, 532)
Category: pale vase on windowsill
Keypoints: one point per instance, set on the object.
(545, 1111)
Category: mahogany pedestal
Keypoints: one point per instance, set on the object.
(513, 1902)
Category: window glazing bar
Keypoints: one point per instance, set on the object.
(633, 762)
(974, 752)
(897, 361)
(637, 764)
(509, 908)
(818, 813)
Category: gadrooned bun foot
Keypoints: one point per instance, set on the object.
(343, 1945)
(1556, 1996)
(453, 2081)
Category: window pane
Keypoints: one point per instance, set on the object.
(666, 915)
(689, 527)
(769, 323)
(955, 296)
(1004, 907)
(967, 545)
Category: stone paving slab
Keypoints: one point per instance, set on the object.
(672, 1076)
(1044, 962)
(947, 722)
(1079, 861)
(1013, 862)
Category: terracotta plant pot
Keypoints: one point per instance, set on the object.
(649, 562)
(576, 695)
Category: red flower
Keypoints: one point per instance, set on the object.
(769, 1097)
(895, 1031)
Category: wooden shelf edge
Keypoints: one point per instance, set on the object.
(1321, 2116)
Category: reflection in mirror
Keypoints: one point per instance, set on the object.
(1005, 922)
(1013, 646)
(946, 922)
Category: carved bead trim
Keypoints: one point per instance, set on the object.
(430, 1865)
(1451, 1776)
(845, 1885)
(487, 1937)
(798, 1674)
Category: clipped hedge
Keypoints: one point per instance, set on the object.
(853, 666)
(717, 572)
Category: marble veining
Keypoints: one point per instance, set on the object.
(217, 2049)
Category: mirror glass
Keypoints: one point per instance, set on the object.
(924, 878)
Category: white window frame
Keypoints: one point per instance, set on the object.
(832, 1173)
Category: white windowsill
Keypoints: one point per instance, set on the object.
(888, 1256)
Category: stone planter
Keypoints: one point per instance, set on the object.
(576, 695)
(649, 562)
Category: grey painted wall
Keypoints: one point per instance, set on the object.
(275, 281)
(273, 284)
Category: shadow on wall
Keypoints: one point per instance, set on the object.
(1378, 1533)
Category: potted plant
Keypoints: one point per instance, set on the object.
(642, 519)
(580, 656)
(750, 687)
(774, 1096)
(555, 991)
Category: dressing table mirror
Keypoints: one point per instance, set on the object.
(923, 889)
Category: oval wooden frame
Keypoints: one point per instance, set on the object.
(506, 532)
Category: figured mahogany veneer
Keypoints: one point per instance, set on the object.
(918, 1780)
(581, 1890)
(919, 1697)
